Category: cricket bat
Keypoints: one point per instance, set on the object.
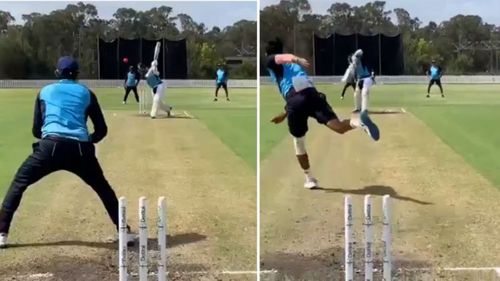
(157, 50)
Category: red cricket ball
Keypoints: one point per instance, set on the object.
(125, 60)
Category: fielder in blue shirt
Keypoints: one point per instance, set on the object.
(60, 122)
(221, 76)
(435, 72)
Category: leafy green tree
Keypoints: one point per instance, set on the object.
(75, 29)
(13, 60)
(5, 19)
(462, 44)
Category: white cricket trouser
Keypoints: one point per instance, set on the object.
(158, 100)
(361, 99)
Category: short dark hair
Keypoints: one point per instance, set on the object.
(274, 47)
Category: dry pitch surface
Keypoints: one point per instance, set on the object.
(445, 224)
(61, 231)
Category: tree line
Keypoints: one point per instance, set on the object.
(463, 44)
(30, 50)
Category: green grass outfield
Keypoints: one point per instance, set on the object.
(233, 122)
(466, 120)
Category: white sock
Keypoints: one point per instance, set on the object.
(308, 174)
(156, 104)
(355, 122)
(364, 99)
(357, 99)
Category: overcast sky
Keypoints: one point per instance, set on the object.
(425, 10)
(219, 14)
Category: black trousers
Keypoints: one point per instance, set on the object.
(55, 154)
(347, 85)
(304, 104)
(219, 85)
(432, 82)
(127, 91)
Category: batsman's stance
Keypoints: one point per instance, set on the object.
(364, 77)
(157, 86)
(304, 101)
(60, 122)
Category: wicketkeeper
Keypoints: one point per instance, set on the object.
(60, 122)
(131, 82)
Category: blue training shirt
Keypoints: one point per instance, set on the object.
(62, 109)
(221, 75)
(362, 71)
(131, 79)
(435, 72)
(153, 81)
(284, 74)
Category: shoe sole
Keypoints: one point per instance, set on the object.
(373, 130)
(312, 186)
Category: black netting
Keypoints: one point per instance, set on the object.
(108, 59)
(324, 58)
(172, 61)
(148, 52)
(130, 49)
(370, 46)
(382, 53)
(175, 59)
(392, 55)
(344, 45)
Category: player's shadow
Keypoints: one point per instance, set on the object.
(375, 190)
(172, 241)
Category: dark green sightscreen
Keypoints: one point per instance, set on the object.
(130, 49)
(172, 62)
(175, 59)
(325, 58)
(383, 53)
(343, 46)
(108, 59)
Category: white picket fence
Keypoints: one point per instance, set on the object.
(407, 79)
(248, 83)
(234, 83)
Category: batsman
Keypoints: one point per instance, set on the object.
(157, 86)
